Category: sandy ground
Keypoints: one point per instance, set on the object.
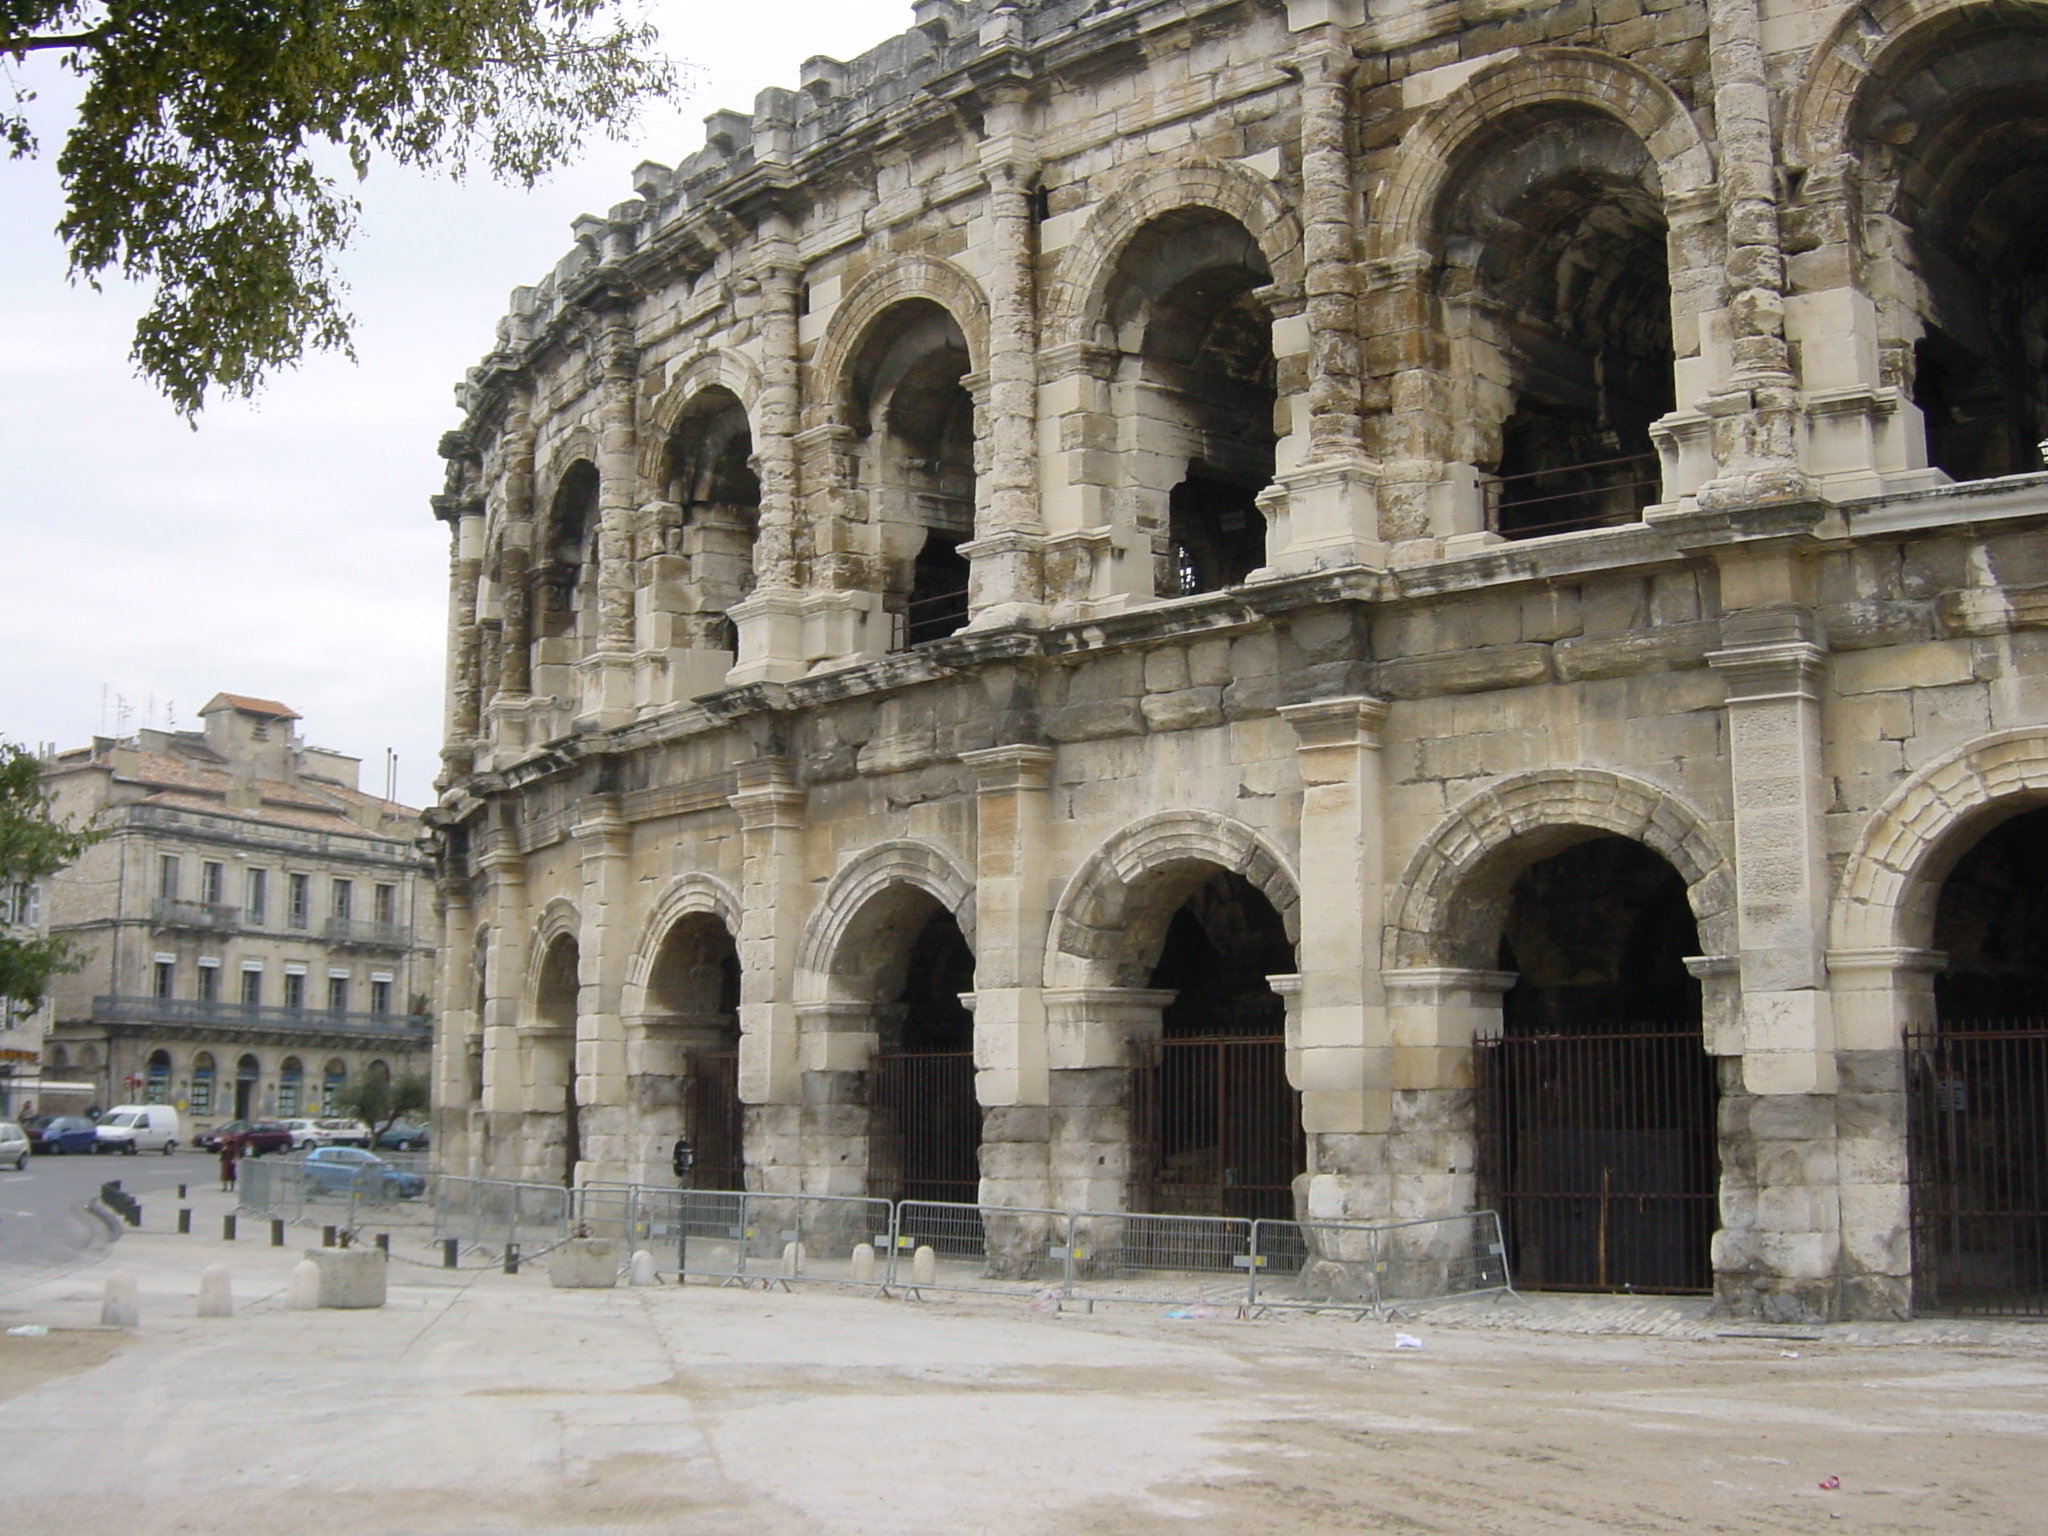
(479, 1403)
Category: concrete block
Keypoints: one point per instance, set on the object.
(216, 1292)
(350, 1278)
(304, 1293)
(120, 1306)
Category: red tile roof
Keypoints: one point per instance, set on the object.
(249, 706)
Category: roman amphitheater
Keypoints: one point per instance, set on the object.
(1292, 610)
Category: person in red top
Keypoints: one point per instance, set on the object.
(230, 1154)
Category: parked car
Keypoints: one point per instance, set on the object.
(210, 1140)
(133, 1128)
(403, 1136)
(62, 1133)
(327, 1132)
(344, 1170)
(260, 1136)
(13, 1145)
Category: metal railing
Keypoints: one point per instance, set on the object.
(208, 916)
(284, 1189)
(1607, 493)
(491, 1215)
(934, 617)
(354, 933)
(258, 1016)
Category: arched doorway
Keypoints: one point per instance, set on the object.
(203, 1079)
(1978, 1085)
(926, 1138)
(333, 1080)
(556, 1143)
(1598, 1103)
(1216, 1126)
(156, 1084)
(693, 1003)
(248, 1072)
(291, 1086)
(713, 514)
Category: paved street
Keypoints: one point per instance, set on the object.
(477, 1404)
(43, 1225)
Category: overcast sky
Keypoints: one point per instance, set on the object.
(285, 549)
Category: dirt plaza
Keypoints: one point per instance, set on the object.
(477, 1402)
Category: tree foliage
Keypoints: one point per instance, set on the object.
(380, 1102)
(32, 844)
(196, 164)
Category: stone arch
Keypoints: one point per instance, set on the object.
(1578, 77)
(694, 894)
(1094, 926)
(577, 445)
(718, 369)
(1075, 298)
(869, 873)
(1859, 46)
(558, 919)
(1452, 896)
(1888, 889)
(908, 277)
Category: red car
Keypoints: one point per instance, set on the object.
(255, 1137)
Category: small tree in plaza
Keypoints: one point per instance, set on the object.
(380, 1101)
(33, 843)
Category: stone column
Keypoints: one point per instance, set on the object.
(1757, 415)
(499, 1148)
(606, 675)
(1012, 810)
(455, 1106)
(1093, 565)
(1340, 1055)
(1435, 1015)
(1007, 551)
(1092, 1036)
(769, 620)
(464, 717)
(510, 705)
(1782, 1259)
(774, 901)
(1327, 510)
(603, 844)
(835, 1151)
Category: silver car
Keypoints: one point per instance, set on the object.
(13, 1145)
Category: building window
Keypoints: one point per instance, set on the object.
(213, 879)
(301, 900)
(209, 981)
(254, 893)
(201, 1100)
(344, 899)
(295, 989)
(22, 903)
(290, 1077)
(333, 1080)
(157, 1081)
(167, 876)
(380, 994)
(252, 987)
(337, 994)
(385, 901)
(165, 982)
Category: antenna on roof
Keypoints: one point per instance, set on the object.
(390, 774)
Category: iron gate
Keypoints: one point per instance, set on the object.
(927, 1129)
(1216, 1129)
(717, 1126)
(1977, 1119)
(1599, 1152)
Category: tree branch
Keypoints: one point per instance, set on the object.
(19, 46)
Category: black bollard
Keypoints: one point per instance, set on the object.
(276, 1234)
(181, 1191)
(384, 1242)
(450, 1249)
(511, 1258)
(185, 1220)
(327, 1237)
(227, 1229)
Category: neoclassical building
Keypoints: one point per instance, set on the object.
(1291, 609)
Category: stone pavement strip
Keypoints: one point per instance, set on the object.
(479, 1403)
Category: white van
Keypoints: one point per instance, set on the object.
(133, 1128)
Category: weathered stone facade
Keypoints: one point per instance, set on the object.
(1382, 453)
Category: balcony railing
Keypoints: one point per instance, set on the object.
(352, 933)
(1570, 498)
(187, 1011)
(208, 916)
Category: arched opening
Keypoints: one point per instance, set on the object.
(201, 1100)
(248, 1073)
(1598, 1104)
(1978, 1085)
(926, 1137)
(717, 499)
(1199, 385)
(1557, 291)
(291, 1086)
(915, 419)
(693, 1000)
(1954, 143)
(156, 1083)
(564, 579)
(1216, 1126)
(333, 1083)
(551, 1062)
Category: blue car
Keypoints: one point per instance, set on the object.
(351, 1170)
(61, 1133)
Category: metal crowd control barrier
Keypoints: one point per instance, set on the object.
(1373, 1268)
(1167, 1260)
(1000, 1249)
(490, 1214)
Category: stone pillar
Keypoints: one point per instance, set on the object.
(769, 620)
(603, 844)
(606, 675)
(1093, 563)
(774, 900)
(835, 1150)
(1434, 1017)
(459, 1032)
(1881, 997)
(464, 718)
(1781, 1256)
(509, 707)
(499, 1149)
(1091, 1033)
(1006, 554)
(1757, 415)
(1339, 1051)
(1326, 510)
(1012, 838)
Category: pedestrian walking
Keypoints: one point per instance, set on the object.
(230, 1154)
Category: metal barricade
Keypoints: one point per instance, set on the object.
(999, 1249)
(1375, 1267)
(816, 1237)
(1166, 1260)
(488, 1215)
